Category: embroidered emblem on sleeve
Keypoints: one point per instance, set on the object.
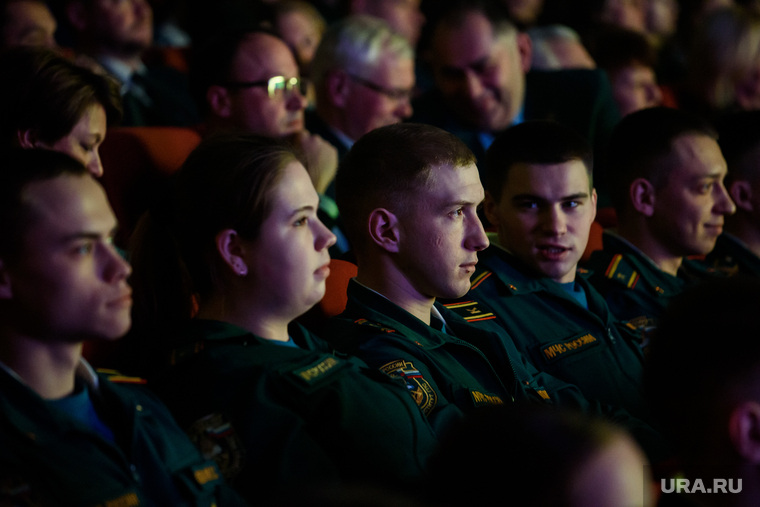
(420, 389)
(217, 441)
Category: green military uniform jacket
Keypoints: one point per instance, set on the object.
(732, 257)
(559, 336)
(635, 289)
(48, 458)
(277, 417)
(451, 373)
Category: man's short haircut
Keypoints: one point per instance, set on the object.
(640, 146)
(739, 140)
(213, 57)
(356, 44)
(615, 48)
(452, 13)
(19, 168)
(534, 142)
(703, 360)
(387, 167)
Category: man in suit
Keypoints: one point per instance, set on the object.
(364, 77)
(480, 62)
(117, 35)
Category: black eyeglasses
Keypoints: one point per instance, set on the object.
(276, 86)
(393, 93)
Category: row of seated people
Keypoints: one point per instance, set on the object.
(577, 361)
(233, 253)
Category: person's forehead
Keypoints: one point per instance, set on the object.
(694, 156)
(570, 173)
(470, 39)
(68, 204)
(453, 183)
(392, 68)
(261, 56)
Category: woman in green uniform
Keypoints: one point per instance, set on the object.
(222, 267)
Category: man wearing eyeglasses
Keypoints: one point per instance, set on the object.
(249, 82)
(364, 76)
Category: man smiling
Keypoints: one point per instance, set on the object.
(668, 192)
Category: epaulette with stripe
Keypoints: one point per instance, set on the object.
(117, 378)
(471, 311)
(479, 279)
(620, 271)
(375, 325)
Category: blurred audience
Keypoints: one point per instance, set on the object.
(542, 457)
(558, 47)
(116, 35)
(714, 422)
(479, 63)
(404, 16)
(26, 23)
(630, 61)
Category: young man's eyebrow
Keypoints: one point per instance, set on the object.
(532, 197)
(90, 235)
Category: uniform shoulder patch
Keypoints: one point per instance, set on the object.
(317, 370)
(471, 311)
(117, 378)
(620, 271)
(420, 389)
(217, 441)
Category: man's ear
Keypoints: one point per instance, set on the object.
(27, 138)
(231, 250)
(490, 207)
(741, 194)
(337, 87)
(525, 49)
(594, 201)
(744, 430)
(384, 229)
(218, 100)
(642, 195)
(5, 282)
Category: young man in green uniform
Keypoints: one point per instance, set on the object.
(541, 199)
(70, 436)
(670, 203)
(737, 251)
(410, 193)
